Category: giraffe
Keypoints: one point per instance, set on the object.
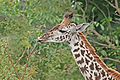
(89, 63)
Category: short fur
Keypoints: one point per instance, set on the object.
(109, 70)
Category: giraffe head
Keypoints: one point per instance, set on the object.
(63, 32)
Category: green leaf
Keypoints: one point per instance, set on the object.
(104, 52)
(117, 42)
(102, 27)
(110, 18)
(97, 24)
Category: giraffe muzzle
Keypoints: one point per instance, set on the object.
(40, 40)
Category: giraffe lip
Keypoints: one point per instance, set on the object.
(41, 40)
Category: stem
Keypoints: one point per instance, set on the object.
(10, 58)
(28, 59)
(111, 59)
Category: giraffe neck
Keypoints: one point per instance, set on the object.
(86, 61)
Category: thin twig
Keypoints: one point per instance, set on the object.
(20, 58)
(108, 22)
(107, 10)
(10, 58)
(28, 59)
(114, 6)
(110, 4)
(86, 5)
(10, 76)
(36, 51)
(117, 6)
(97, 34)
(111, 59)
(9, 72)
(82, 11)
(105, 45)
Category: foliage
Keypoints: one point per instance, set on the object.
(22, 22)
(105, 26)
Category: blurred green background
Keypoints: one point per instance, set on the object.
(21, 22)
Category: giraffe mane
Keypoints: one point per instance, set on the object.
(110, 71)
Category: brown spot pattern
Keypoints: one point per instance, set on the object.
(87, 78)
(63, 37)
(76, 44)
(77, 55)
(97, 76)
(81, 42)
(94, 60)
(76, 50)
(110, 78)
(80, 61)
(103, 73)
(60, 37)
(68, 42)
(90, 78)
(97, 67)
(66, 36)
(88, 55)
(91, 71)
(97, 59)
(82, 52)
(105, 79)
(84, 69)
(95, 73)
(92, 66)
(87, 61)
(87, 51)
(81, 46)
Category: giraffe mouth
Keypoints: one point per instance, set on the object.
(41, 40)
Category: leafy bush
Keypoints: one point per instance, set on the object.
(22, 22)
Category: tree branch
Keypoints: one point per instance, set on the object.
(82, 11)
(86, 5)
(28, 59)
(97, 34)
(105, 45)
(111, 59)
(10, 58)
(110, 4)
(108, 22)
(10, 76)
(20, 58)
(116, 5)
(36, 51)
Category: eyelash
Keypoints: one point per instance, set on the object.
(62, 31)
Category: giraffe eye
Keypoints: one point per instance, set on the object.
(62, 31)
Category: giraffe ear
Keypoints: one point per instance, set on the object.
(82, 27)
